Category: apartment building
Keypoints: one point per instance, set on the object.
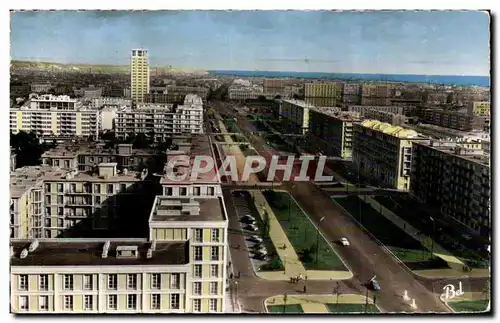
(387, 117)
(85, 156)
(203, 222)
(139, 75)
(454, 176)
(49, 115)
(47, 200)
(181, 182)
(274, 86)
(26, 200)
(161, 120)
(96, 276)
(296, 115)
(331, 131)
(183, 90)
(363, 109)
(376, 94)
(323, 90)
(455, 120)
(90, 92)
(383, 152)
(351, 93)
(479, 109)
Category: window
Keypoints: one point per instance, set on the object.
(215, 235)
(131, 301)
(43, 281)
(68, 302)
(198, 253)
(68, 282)
(174, 301)
(155, 301)
(132, 281)
(175, 281)
(197, 288)
(168, 191)
(213, 305)
(97, 188)
(123, 187)
(72, 187)
(24, 303)
(183, 191)
(156, 281)
(44, 303)
(214, 288)
(210, 190)
(214, 253)
(87, 282)
(198, 235)
(214, 271)
(89, 303)
(112, 302)
(60, 187)
(110, 188)
(112, 281)
(197, 271)
(196, 305)
(196, 191)
(47, 187)
(23, 282)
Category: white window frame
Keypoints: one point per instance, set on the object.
(197, 305)
(112, 281)
(88, 282)
(91, 302)
(112, 302)
(213, 301)
(41, 303)
(155, 300)
(196, 231)
(214, 288)
(21, 302)
(43, 282)
(172, 298)
(212, 258)
(197, 288)
(200, 258)
(68, 300)
(215, 235)
(24, 282)
(132, 297)
(155, 281)
(214, 273)
(132, 281)
(70, 282)
(195, 271)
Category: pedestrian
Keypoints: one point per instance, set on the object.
(239, 274)
(305, 289)
(231, 276)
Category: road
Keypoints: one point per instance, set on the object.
(364, 257)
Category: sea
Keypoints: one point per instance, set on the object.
(457, 80)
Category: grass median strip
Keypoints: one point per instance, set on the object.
(406, 248)
(470, 306)
(294, 308)
(314, 252)
(352, 308)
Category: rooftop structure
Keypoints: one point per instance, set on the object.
(193, 209)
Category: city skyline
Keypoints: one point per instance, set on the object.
(410, 42)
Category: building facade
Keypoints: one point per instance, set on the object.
(455, 120)
(49, 115)
(454, 176)
(139, 75)
(383, 153)
(479, 109)
(332, 131)
(323, 90)
(296, 115)
(376, 94)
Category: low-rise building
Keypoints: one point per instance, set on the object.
(454, 176)
(383, 153)
(331, 131)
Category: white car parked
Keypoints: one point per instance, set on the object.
(344, 241)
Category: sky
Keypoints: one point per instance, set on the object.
(410, 42)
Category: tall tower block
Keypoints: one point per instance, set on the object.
(139, 75)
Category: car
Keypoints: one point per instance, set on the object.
(252, 227)
(256, 239)
(375, 285)
(344, 241)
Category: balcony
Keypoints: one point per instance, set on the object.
(79, 192)
(79, 203)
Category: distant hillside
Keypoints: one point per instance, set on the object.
(85, 68)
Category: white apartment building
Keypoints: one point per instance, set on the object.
(363, 109)
(161, 120)
(50, 115)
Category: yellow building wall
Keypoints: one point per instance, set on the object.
(170, 234)
(23, 211)
(19, 120)
(54, 123)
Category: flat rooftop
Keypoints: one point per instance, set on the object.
(337, 114)
(453, 148)
(299, 103)
(21, 179)
(71, 150)
(193, 147)
(90, 176)
(187, 209)
(70, 252)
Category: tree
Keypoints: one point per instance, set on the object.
(28, 148)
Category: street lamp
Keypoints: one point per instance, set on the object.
(317, 239)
